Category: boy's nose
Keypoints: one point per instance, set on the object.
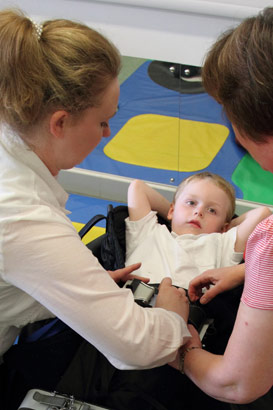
(199, 211)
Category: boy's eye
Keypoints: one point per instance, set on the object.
(104, 124)
(211, 211)
(190, 202)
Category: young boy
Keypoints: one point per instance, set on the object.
(203, 236)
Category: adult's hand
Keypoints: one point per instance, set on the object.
(223, 279)
(125, 274)
(171, 298)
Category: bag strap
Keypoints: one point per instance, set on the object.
(49, 400)
(93, 221)
(61, 402)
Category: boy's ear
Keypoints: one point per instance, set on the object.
(57, 123)
(170, 213)
(225, 227)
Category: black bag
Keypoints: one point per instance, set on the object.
(110, 247)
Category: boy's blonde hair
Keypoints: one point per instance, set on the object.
(218, 181)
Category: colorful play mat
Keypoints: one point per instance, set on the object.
(166, 129)
(163, 135)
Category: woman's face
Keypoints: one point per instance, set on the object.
(262, 152)
(84, 133)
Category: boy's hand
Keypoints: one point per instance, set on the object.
(125, 274)
(173, 299)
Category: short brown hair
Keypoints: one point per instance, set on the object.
(238, 73)
(218, 181)
(68, 67)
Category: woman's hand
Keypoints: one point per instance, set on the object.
(171, 298)
(125, 274)
(223, 279)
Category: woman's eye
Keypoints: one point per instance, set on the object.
(104, 124)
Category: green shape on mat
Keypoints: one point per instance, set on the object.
(128, 66)
(255, 183)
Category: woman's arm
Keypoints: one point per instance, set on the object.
(61, 273)
(142, 199)
(245, 372)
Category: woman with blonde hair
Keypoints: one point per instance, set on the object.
(58, 90)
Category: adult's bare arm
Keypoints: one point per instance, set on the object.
(245, 371)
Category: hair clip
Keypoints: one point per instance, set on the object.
(38, 29)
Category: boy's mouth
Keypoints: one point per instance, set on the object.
(195, 223)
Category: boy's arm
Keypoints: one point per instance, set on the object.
(142, 199)
(246, 224)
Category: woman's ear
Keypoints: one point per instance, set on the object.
(57, 123)
(170, 213)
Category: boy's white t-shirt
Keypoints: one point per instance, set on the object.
(181, 257)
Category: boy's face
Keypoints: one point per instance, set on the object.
(200, 208)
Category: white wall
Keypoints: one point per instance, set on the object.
(170, 30)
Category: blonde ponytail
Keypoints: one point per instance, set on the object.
(58, 65)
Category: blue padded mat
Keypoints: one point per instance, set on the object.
(140, 95)
(83, 208)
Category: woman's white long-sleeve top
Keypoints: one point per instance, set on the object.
(46, 271)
